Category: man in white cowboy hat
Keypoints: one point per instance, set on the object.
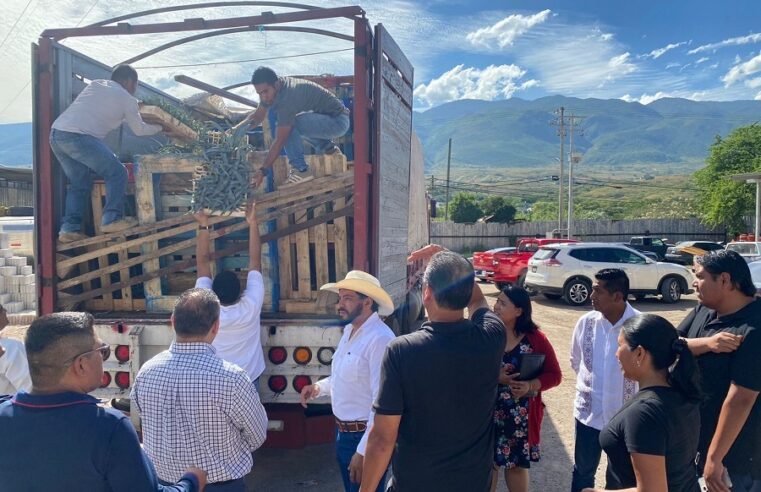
(355, 372)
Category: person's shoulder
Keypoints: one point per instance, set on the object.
(409, 341)
(589, 316)
(381, 331)
(158, 361)
(12, 345)
(631, 311)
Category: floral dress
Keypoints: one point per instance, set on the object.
(511, 418)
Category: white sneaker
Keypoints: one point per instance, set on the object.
(119, 225)
(296, 177)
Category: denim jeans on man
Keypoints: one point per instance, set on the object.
(346, 446)
(79, 154)
(586, 457)
(318, 129)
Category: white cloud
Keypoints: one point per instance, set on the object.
(673, 65)
(646, 98)
(758, 97)
(753, 83)
(737, 41)
(506, 31)
(702, 60)
(493, 82)
(742, 70)
(661, 51)
(606, 37)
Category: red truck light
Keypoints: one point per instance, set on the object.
(278, 355)
(122, 353)
(105, 380)
(300, 381)
(277, 384)
(122, 379)
(302, 356)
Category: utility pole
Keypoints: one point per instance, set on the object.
(572, 122)
(560, 123)
(449, 162)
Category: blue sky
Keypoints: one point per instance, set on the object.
(634, 50)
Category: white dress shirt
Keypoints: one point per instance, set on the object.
(240, 331)
(601, 388)
(101, 108)
(14, 368)
(355, 373)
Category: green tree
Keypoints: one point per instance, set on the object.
(464, 208)
(721, 201)
(502, 210)
(544, 211)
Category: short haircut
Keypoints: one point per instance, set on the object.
(264, 75)
(725, 261)
(374, 308)
(124, 73)
(195, 312)
(52, 340)
(227, 287)
(451, 278)
(615, 281)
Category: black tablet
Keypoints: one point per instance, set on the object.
(531, 366)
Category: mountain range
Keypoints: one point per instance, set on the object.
(517, 133)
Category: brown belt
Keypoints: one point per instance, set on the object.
(353, 426)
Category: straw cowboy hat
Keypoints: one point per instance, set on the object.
(366, 284)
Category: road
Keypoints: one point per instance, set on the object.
(314, 468)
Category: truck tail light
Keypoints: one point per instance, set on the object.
(105, 380)
(302, 355)
(277, 384)
(325, 355)
(122, 379)
(300, 381)
(122, 353)
(278, 355)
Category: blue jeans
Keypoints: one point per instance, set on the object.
(238, 485)
(744, 483)
(346, 446)
(586, 457)
(78, 155)
(318, 129)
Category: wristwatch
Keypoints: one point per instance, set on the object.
(206, 227)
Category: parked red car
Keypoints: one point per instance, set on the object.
(511, 267)
(483, 261)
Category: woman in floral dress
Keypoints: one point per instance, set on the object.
(519, 408)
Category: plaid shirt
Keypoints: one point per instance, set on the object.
(198, 410)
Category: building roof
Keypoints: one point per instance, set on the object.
(23, 174)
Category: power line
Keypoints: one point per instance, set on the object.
(87, 13)
(15, 23)
(245, 61)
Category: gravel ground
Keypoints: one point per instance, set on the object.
(314, 468)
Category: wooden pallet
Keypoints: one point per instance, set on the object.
(173, 128)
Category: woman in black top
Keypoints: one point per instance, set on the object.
(652, 441)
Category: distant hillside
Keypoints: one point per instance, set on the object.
(16, 145)
(517, 133)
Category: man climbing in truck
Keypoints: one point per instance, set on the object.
(76, 140)
(303, 109)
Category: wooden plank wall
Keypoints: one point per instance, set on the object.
(479, 237)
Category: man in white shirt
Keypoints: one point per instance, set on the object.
(76, 140)
(601, 388)
(239, 340)
(14, 368)
(355, 371)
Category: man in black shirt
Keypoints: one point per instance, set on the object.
(724, 333)
(438, 387)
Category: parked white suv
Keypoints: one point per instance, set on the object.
(568, 270)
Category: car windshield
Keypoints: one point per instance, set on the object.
(544, 254)
(743, 248)
(528, 247)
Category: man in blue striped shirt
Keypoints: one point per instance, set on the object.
(195, 407)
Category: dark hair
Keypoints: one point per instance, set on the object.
(52, 340)
(264, 75)
(374, 308)
(195, 312)
(669, 352)
(124, 73)
(615, 281)
(725, 261)
(451, 278)
(227, 287)
(521, 299)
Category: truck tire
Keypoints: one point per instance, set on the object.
(522, 280)
(552, 297)
(501, 285)
(406, 318)
(671, 290)
(577, 291)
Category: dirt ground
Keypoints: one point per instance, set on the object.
(314, 468)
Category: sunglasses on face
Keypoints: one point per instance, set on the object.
(104, 349)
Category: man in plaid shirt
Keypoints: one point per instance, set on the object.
(196, 408)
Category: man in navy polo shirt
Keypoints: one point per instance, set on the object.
(57, 437)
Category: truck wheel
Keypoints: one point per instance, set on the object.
(552, 297)
(577, 291)
(671, 290)
(501, 285)
(522, 280)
